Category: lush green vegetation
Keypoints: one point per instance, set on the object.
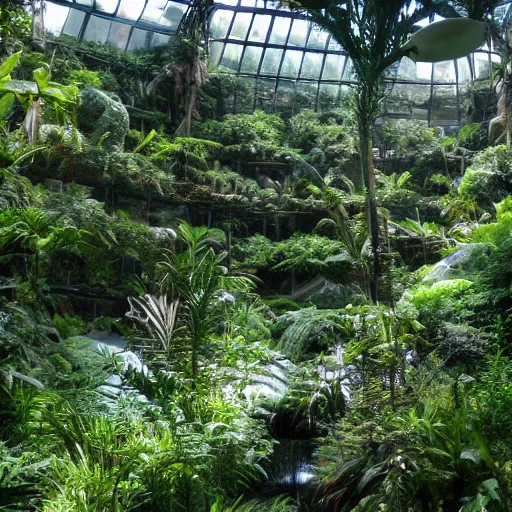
(226, 278)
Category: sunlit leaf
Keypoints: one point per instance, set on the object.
(9, 64)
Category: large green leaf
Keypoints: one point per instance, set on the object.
(19, 87)
(62, 94)
(42, 78)
(9, 64)
(6, 102)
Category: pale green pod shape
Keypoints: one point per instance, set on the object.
(446, 40)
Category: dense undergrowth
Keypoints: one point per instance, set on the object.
(264, 313)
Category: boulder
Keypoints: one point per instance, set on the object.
(103, 116)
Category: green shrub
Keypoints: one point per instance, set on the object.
(281, 305)
(69, 326)
(473, 136)
(243, 129)
(83, 78)
(60, 364)
(102, 323)
(489, 179)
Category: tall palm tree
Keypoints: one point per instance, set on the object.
(374, 33)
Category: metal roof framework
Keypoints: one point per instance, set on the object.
(285, 61)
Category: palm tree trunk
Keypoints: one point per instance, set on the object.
(366, 121)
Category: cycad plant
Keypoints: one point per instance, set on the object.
(190, 282)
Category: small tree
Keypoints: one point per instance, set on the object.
(373, 33)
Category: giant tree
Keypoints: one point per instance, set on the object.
(373, 33)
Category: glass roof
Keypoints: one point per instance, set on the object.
(283, 56)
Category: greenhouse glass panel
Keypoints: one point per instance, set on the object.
(333, 67)
(173, 14)
(414, 71)
(259, 29)
(312, 66)
(280, 31)
(291, 63)
(231, 57)
(481, 66)
(464, 70)
(140, 39)
(119, 34)
(160, 40)
(334, 45)
(131, 9)
(215, 53)
(97, 29)
(88, 3)
(305, 96)
(317, 38)
(408, 100)
(251, 59)
(220, 23)
(271, 61)
(74, 23)
(349, 75)
(107, 6)
(229, 2)
(167, 14)
(444, 104)
(444, 71)
(328, 96)
(299, 33)
(265, 91)
(55, 17)
(240, 26)
(285, 96)
(245, 96)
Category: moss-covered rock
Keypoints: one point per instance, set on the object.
(104, 117)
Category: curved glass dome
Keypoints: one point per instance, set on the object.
(285, 60)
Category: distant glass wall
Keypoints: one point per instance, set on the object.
(284, 61)
(128, 24)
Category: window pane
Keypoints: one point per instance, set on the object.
(328, 97)
(312, 66)
(333, 67)
(154, 10)
(119, 33)
(280, 30)
(55, 17)
(265, 94)
(305, 95)
(131, 9)
(232, 55)
(464, 70)
(317, 38)
(444, 71)
(251, 60)
(444, 103)
(291, 63)
(97, 29)
(260, 28)
(140, 39)
(74, 23)
(481, 65)
(160, 40)
(220, 24)
(240, 26)
(299, 33)
(172, 14)
(108, 6)
(215, 51)
(271, 61)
